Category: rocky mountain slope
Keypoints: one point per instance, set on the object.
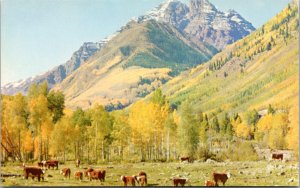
(202, 21)
(138, 60)
(254, 72)
(57, 74)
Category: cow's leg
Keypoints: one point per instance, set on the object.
(39, 177)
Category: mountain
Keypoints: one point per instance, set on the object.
(142, 57)
(259, 70)
(202, 21)
(57, 74)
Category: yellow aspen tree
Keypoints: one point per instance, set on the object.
(38, 117)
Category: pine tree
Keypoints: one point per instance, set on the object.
(215, 124)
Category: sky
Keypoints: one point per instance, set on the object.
(37, 35)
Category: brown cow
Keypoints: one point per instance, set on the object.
(97, 175)
(87, 171)
(188, 159)
(142, 178)
(181, 181)
(277, 156)
(220, 177)
(52, 163)
(77, 163)
(209, 183)
(78, 175)
(33, 172)
(128, 180)
(66, 172)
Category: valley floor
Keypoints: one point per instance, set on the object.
(261, 173)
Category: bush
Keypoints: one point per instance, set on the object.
(204, 153)
(240, 151)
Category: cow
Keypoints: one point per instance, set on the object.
(209, 183)
(181, 181)
(142, 178)
(52, 163)
(77, 163)
(182, 159)
(97, 175)
(33, 172)
(128, 180)
(78, 175)
(66, 172)
(223, 177)
(87, 171)
(277, 156)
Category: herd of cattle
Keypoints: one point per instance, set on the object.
(141, 178)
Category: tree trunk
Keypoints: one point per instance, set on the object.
(96, 143)
(168, 145)
(64, 156)
(40, 145)
(103, 157)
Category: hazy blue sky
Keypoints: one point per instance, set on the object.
(37, 35)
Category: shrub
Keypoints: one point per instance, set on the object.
(242, 151)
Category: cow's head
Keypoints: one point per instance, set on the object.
(138, 179)
(187, 180)
(61, 172)
(228, 174)
(23, 164)
(43, 172)
(122, 178)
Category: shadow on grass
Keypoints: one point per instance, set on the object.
(152, 185)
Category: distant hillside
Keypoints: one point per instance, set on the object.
(258, 70)
(131, 65)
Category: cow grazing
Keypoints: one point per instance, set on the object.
(182, 159)
(142, 178)
(87, 171)
(52, 163)
(209, 183)
(97, 175)
(128, 180)
(77, 163)
(78, 175)
(66, 172)
(277, 156)
(33, 172)
(220, 177)
(181, 181)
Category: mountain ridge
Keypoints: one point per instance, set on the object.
(256, 71)
(161, 59)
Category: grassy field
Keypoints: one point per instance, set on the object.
(262, 173)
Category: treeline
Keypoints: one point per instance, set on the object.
(37, 127)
